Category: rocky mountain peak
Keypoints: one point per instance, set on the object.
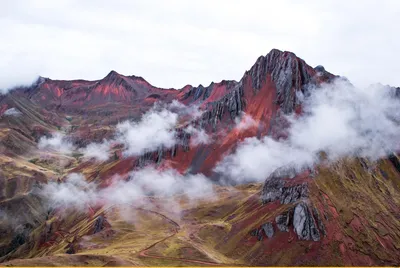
(112, 76)
(288, 72)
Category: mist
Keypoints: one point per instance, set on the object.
(58, 142)
(97, 151)
(12, 112)
(244, 121)
(198, 136)
(76, 192)
(156, 128)
(17, 78)
(338, 119)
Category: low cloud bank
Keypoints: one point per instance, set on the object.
(339, 119)
(76, 192)
(198, 136)
(16, 79)
(12, 112)
(97, 151)
(155, 129)
(244, 122)
(57, 142)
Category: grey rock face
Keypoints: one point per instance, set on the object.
(258, 233)
(304, 223)
(173, 151)
(268, 229)
(160, 153)
(254, 232)
(147, 157)
(319, 221)
(98, 225)
(205, 92)
(197, 92)
(294, 193)
(288, 72)
(274, 188)
(319, 69)
(233, 103)
(282, 221)
(185, 140)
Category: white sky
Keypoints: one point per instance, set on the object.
(174, 43)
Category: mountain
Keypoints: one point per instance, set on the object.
(342, 213)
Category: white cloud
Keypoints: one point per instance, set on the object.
(97, 151)
(344, 120)
(198, 136)
(244, 122)
(76, 192)
(338, 119)
(193, 110)
(57, 142)
(155, 129)
(255, 159)
(13, 112)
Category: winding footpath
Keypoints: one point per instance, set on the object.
(143, 253)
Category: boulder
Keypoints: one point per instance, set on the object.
(268, 229)
(304, 223)
(282, 221)
(98, 225)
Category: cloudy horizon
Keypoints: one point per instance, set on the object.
(175, 43)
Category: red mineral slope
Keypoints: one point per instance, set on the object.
(80, 94)
(265, 92)
(350, 209)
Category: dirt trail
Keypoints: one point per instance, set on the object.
(143, 253)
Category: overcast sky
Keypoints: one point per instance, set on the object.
(174, 43)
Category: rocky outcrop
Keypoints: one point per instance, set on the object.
(98, 225)
(283, 220)
(203, 93)
(272, 190)
(304, 223)
(267, 229)
(197, 92)
(319, 221)
(233, 103)
(151, 157)
(306, 220)
(275, 189)
(288, 72)
(293, 193)
(394, 159)
(322, 74)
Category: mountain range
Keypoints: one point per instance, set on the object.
(119, 172)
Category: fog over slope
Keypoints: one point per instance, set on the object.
(338, 119)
